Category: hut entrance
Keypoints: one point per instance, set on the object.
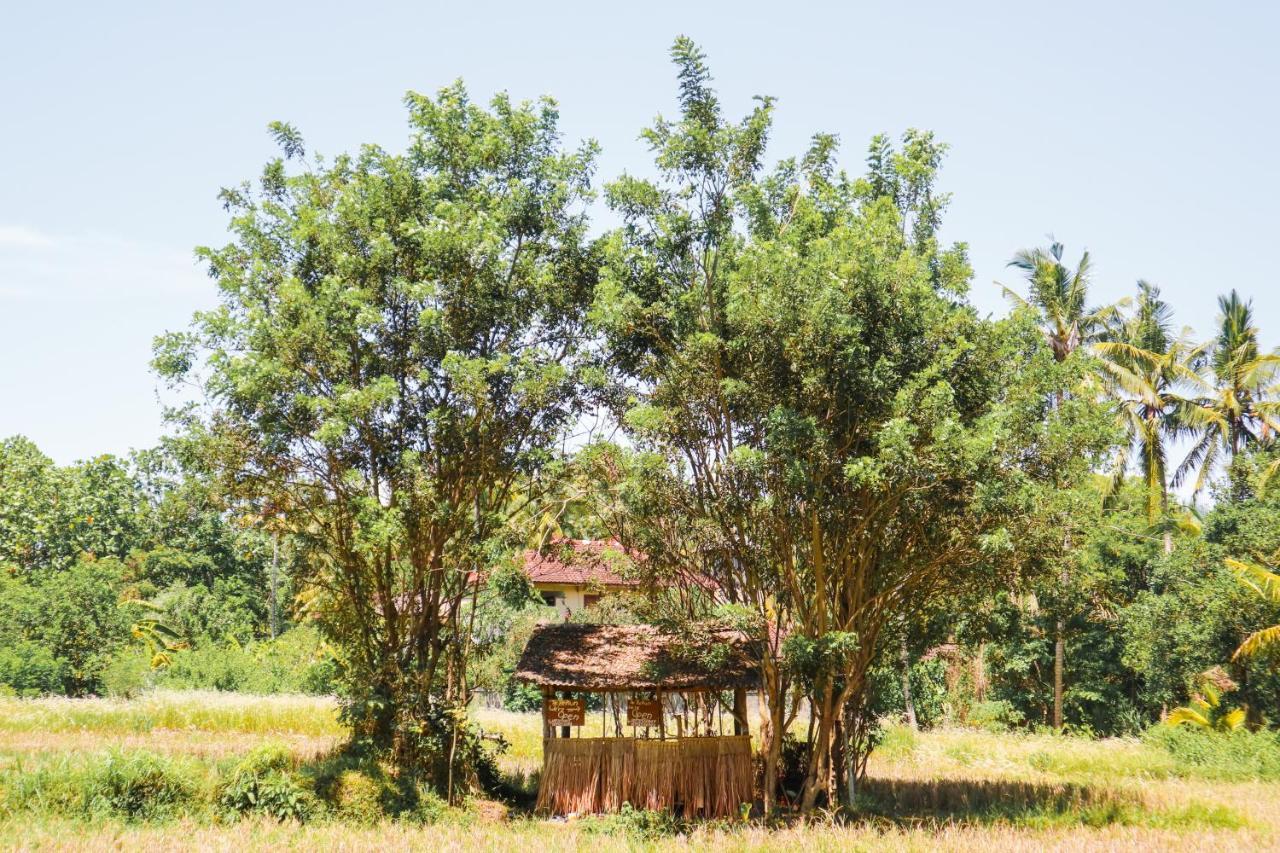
(666, 732)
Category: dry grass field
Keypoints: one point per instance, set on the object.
(950, 789)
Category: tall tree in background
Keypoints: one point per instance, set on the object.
(1060, 296)
(398, 342)
(1239, 403)
(1147, 371)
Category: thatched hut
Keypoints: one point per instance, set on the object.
(672, 725)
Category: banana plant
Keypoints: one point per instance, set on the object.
(161, 640)
(1207, 711)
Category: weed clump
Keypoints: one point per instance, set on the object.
(264, 782)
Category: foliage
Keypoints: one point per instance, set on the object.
(1149, 373)
(821, 423)
(1240, 396)
(74, 616)
(140, 786)
(265, 782)
(641, 824)
(1266, 584)
(30, 669)
(1208, 711)
(994, 715)
(1238, 755)
(399, 339)
(298, 661)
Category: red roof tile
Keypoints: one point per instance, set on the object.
(577, 561)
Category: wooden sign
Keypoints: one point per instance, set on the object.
(644, 713)
(564, 712)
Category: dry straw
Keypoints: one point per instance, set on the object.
(700, 776)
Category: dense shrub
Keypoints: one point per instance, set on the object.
(642, 824)
(994, 715)
(30, 669)
(295, 662)
(59, 630)
(265, 782)
(132, 786)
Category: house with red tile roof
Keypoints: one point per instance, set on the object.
(571, 574)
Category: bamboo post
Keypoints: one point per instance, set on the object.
(547, 731)
(566, 731)
(662, 716)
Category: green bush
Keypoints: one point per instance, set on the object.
(30, 669)
(128, 673)
(264, 782)
(358, 797)
(1229, 756)
(64, 623)
(636, 823)
(994, 716)
(295, 662)
(133, 786)
(521, 697)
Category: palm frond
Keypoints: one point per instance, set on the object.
(1258, 641)
(1178, 716)
(1232, 720)
(1262, 580)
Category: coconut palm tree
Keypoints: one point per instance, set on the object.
(1146, 371)
(1240, 402)
(1060, 295)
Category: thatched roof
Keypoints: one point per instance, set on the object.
(572, 656)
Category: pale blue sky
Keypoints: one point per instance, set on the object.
(1145, 132)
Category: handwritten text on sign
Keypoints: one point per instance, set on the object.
(644, 713)
(564, 712)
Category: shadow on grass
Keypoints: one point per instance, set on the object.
(917, 802)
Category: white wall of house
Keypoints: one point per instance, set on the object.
(567, 598)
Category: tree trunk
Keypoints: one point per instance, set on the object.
(980, 673)
(1060, 641)
(907, 699)
(740, 712)
(275, 567)
(1059, 663)
(819, 754)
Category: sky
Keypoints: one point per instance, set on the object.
(1144, 132)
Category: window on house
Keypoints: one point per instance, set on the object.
(550, 599)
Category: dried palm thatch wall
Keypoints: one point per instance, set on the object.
(700, 776)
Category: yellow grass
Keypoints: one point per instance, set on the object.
(948, 790)
(209, 711)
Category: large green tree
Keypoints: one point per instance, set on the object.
(838, 436)
(399, 340)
